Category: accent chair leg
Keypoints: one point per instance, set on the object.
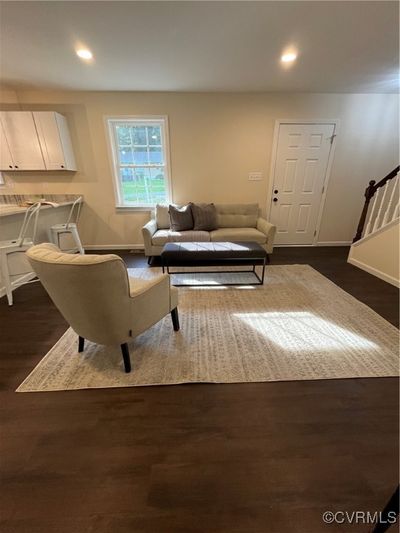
(81, 344)
(126, 356)
(390, 512)
(149, 259)
(175, 319)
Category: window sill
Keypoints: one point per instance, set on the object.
(135, 207)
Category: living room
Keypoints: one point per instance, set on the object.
(232, 142)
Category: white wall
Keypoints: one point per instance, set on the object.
(378, 253)
(216, 140)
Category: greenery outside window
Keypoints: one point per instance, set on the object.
(139, 147)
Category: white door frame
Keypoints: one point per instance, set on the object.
(274, 153)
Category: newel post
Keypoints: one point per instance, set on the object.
(369, 193)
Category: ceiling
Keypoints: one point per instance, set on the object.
(201, 46)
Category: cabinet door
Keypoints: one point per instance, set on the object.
(23, 142)
(55, 141)
(6, 162)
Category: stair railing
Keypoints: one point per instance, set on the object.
(382, 211)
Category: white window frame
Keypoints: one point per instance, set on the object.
(146, 120)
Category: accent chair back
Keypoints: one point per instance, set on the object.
(90, 291)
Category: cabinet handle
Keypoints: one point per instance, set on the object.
(10, 166)
(16, 166)
(62, 166)
(275, 199)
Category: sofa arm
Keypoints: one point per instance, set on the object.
(148, 231)
(269, 230)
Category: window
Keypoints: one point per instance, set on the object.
(139, 151)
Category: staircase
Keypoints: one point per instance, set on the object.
(375, 246)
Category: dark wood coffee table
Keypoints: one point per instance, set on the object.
(200, 254)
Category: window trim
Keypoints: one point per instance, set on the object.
(109, 121)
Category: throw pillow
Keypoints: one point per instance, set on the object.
(162, 216)
(204, 217)
(181, 217)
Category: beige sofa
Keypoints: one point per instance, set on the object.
(236, 222)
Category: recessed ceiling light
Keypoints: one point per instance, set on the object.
(288, 57)
(83, 53)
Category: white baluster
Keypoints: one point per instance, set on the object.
(391, 201)
(371, 215)
(396, 211)
(381, 206)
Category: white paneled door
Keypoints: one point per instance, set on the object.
(300, 170)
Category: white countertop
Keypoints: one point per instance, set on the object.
(14, 209)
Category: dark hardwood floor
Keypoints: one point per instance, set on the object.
(266, 457)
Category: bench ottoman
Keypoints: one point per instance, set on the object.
(200, 254)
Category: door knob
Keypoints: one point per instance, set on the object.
(275, 199)
(276, 191)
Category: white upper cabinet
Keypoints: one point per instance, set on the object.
(22, 139)
(35, 141)
(6, 161)
(55, 141)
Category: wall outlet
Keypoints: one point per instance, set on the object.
(255, 176)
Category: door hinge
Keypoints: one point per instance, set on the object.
(332, 137)
(315, 233)
(323, 189)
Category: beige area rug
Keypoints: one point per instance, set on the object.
(297, 326)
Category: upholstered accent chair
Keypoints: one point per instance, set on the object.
(99, 300)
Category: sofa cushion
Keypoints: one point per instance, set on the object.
(181, 218)
(237, 215)
(162, 216)
(162, 236)
(204, 217)
(238, 234)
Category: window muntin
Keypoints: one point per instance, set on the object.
(139, 148)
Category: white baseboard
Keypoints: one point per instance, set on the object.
(293, 245)
(113, 246)
(334, 243)
(17, 282)
(327, 243)
(141, 246)
(374, 271)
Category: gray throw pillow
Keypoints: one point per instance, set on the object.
(204, 217)
(181, 217)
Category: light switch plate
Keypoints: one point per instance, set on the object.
(255, 176)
